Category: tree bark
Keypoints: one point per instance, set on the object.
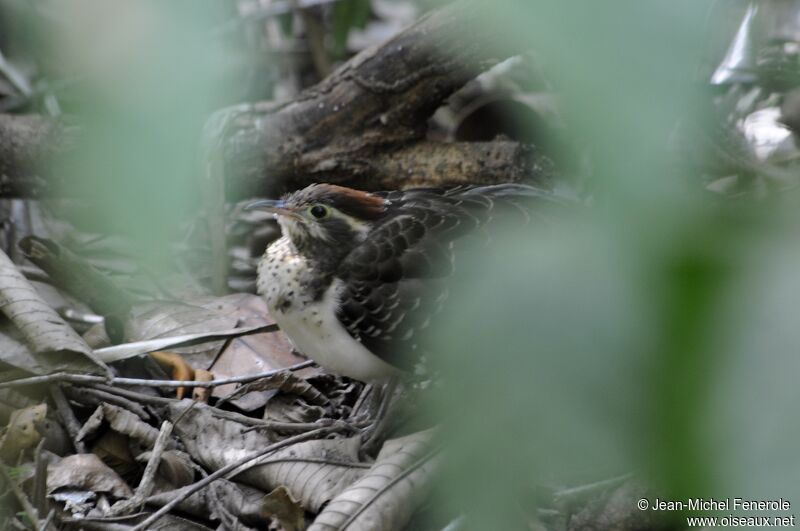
(365, 125)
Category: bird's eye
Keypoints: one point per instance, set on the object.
(319, 211)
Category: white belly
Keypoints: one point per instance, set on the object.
(312, 326)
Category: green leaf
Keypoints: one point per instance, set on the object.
(348, 14)
(286, 23)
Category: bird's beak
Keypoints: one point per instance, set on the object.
(275, 206)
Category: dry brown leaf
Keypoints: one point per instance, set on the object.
(385, 498)
(258, 352)
(289, 408)
(241, 500)
(114, 450)
(314, 471)
(85, 472)
(21, 432)
(175, 467)
(53, 344)
(121, 421)
(15, 352)
(288, 383)
(163, 319)
(13, 399)
(280, 505)
(200, 314)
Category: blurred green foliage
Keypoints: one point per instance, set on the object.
(655, 333)
(348, 14)
(149, 77)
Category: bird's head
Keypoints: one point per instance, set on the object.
(325, 221)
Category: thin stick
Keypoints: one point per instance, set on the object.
(147, 483)
(95, 397)
(259, 424)
(30, 511)
(231, 469)
(365, 392)
(46, 524)
(90, 378)
(39, 479)
(134, 395)
(67, 417)
(591, 487)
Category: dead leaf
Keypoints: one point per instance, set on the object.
(175, 467)
(241, 500)
(161, 319)
(314, 471)
(286, 382)
(53, 344)
(21, 432)
(385, 498)
(85, 472)
(256, 353)
(114, 450)
(199, 314)
(75, 501)
(121, 421)
(15, 352)
(280, 505)
(289, 408)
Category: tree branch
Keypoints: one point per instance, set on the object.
(364, 125)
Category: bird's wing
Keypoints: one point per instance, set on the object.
(394, 282)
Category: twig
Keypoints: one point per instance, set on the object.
(14, 76)
(591, 487)
(185, 412)
(366, 392)
(96, 396)
(146, 484)
(134, 395)
(259, 424)
(130, 350)
(47, 521)
(226, 519)
(67, 417)
(455, 525)
(30, 511)
(231, 469)
(89, 378)
(39, 479)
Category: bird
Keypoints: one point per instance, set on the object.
(357, 277)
